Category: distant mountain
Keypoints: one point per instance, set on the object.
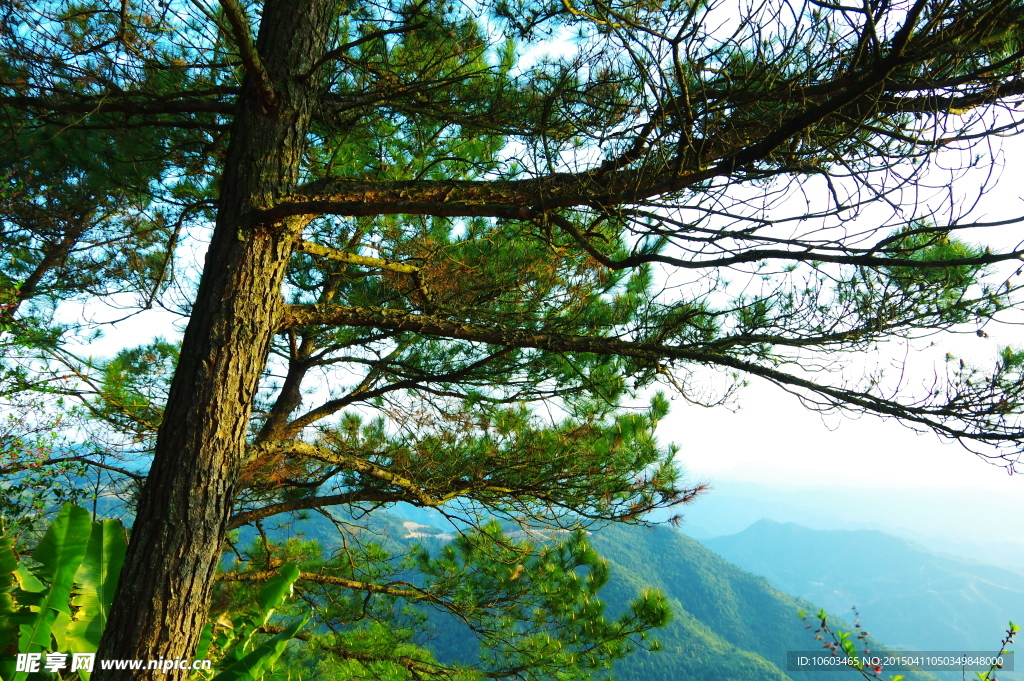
(973, 524)
(907, 596)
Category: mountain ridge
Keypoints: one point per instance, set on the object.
(910, 597)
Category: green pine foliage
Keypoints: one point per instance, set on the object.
(530, 608)
(451, 266)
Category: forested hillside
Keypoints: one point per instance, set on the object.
(728, 623)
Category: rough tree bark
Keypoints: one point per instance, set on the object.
(161, 602)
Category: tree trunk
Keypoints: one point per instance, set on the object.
(176, 542)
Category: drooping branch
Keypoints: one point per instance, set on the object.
(847, 255)
(418, 668)
(941, 418)
(19, 467)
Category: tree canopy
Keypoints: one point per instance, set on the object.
(450, 246)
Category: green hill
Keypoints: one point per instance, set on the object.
(728, 624)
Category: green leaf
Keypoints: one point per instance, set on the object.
(277, 589)
(8, 580)
(28, 581)
(253, 666)
(271, 596)
(59, 553)
(205, 639)
(59, 630)
(8, 606)
(96, 581)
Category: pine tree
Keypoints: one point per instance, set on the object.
(442, 266)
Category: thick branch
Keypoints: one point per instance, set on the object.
(54, 256)
(247, 50)
(331, 580)
(119, 104)
(353, 259)
(513, 199)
